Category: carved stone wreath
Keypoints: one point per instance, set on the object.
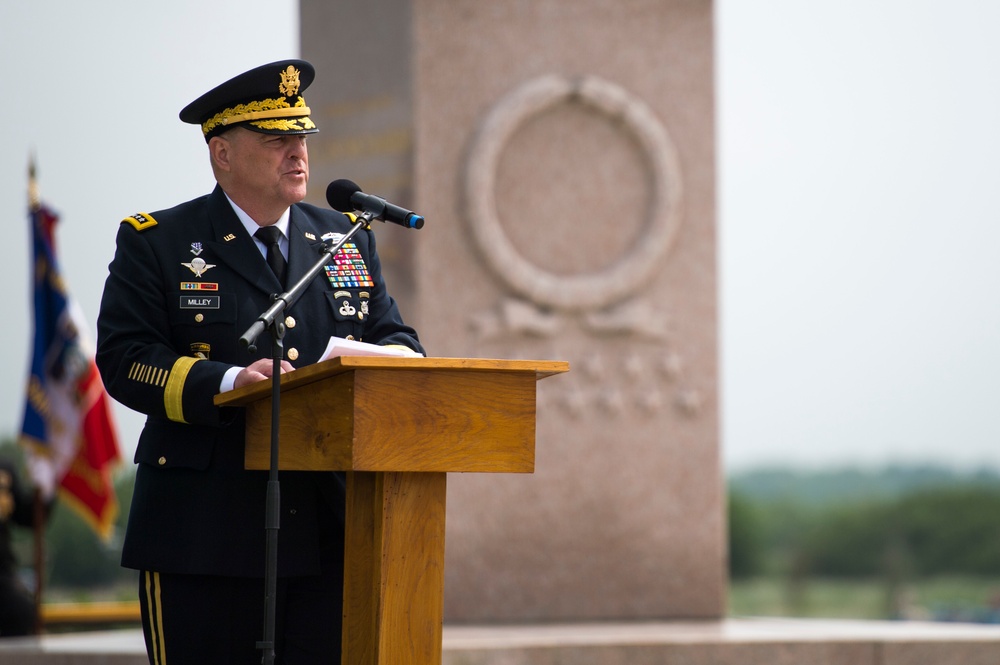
(582, 291)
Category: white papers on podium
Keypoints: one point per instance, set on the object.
(339, 346)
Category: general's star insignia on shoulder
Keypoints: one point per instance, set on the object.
(141, 221)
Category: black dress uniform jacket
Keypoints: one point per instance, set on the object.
(184, 284)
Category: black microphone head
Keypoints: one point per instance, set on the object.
(339, 193)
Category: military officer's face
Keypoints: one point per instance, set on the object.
(273, 169)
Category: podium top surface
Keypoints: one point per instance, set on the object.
(342, 364)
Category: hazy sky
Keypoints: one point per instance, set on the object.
(93, 90)
(859, 146)
(858, 156)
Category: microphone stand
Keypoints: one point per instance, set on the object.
(271, 320)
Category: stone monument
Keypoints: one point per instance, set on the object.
(563, 155)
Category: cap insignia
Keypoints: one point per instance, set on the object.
(289, 82)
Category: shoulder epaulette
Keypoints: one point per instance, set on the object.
(141, 221)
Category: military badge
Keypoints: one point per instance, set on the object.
(198, 266)
(347, 309)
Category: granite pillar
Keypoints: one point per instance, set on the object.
(563, 155)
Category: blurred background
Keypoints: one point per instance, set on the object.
(858, 233)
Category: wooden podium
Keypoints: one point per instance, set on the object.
(397, 426)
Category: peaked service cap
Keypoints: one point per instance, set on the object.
(265, 99)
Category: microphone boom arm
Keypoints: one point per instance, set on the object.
(270, 320)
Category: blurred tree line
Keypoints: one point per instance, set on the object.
(897, 524)
(76, 557)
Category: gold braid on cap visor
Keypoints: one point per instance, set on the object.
(265, 109)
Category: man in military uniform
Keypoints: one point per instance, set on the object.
(184, 284)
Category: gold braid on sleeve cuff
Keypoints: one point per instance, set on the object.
(173, 393)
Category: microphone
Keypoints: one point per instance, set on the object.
(345, 196)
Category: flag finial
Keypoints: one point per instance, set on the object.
(33, 198)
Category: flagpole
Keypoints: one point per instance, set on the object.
(34, 202)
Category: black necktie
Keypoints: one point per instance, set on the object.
(269, 235)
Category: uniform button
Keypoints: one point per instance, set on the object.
(349, 337)
(162, 461)
(199, 318)
(293, 354)
(289, 322)
(360, 315)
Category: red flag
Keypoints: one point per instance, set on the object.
(68, 432)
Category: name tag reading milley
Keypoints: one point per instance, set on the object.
(200, 302)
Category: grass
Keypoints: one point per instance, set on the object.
(939, 598)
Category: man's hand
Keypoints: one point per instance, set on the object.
(258, 371)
